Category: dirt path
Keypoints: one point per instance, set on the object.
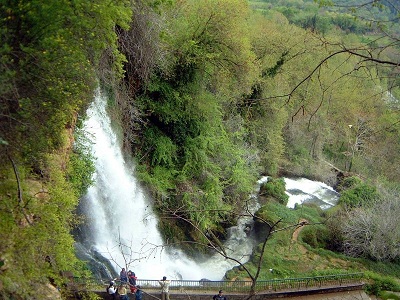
(295, 236)
(296, 232)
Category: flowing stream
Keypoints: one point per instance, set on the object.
(302, 190)
(120, 228)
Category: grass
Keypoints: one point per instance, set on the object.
(288, 257)
(386, 295)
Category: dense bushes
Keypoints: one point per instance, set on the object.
(316, 236)
(49, 55)
(187, 153)
(357, 193)
(275, 187)
(379, 283)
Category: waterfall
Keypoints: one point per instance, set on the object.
(301, 190)
(117, 211)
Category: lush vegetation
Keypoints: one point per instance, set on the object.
(50, 53)
(211, 94)
(220, 108)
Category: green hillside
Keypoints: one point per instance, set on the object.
(210, 95)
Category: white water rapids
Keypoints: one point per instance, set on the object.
(117, 210)
(302, 190)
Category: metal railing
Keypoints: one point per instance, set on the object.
(262, 285)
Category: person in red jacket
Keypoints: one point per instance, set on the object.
(132, 281)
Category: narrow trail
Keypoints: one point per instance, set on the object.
(295, 236)
(296, 232)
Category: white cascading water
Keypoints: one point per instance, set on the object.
(302, 190)
(116, 209)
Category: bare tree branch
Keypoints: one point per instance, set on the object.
(20, 199)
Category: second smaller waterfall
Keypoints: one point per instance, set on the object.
(302, 190)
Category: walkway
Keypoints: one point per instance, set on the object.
(347, 295)
(333, 292)
(347, 286)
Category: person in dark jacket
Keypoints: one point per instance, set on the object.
(138, 293)
(220, 296)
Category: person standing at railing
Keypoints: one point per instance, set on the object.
(164, 288)
(132, 281)
(219, 296)
(123, 276)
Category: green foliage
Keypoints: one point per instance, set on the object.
(49, 55)
(48, 60)
(211, 37)
(316, 236)
(35, 230)
(81, 163)
(381, 267)
(211, 117)
(187, 153)
(380, 283)
(349, 23)
(273, 70)
(165, 151)
(348, 183)
(310, 212)
(274, 211)
(275, 187)
(385, 295)
(324, 2)
(160, 178)
(359, 194)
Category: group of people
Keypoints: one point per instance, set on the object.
(129, 279)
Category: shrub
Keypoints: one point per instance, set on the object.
(388, 296)
(316, 236)
(81, 164)
(380, 283)
(348, 182)
(275, 187)
(359, 195)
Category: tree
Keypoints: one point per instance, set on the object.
(188, 153)
(49, 55)
(326, 83)
(374, 232)
(381, 50)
